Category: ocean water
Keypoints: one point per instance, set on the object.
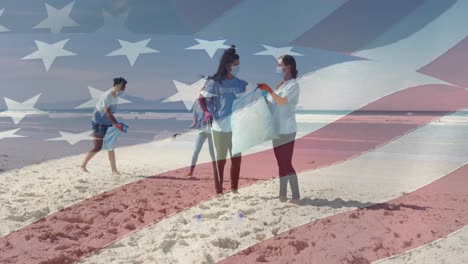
(149, 125)
(34, 147)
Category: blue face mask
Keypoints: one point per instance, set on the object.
(279, 71)
(119, 93)
(235, 70)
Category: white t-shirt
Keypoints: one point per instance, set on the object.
(105, 101)
(285, 115)
(223, 93)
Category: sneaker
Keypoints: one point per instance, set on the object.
(283, 199)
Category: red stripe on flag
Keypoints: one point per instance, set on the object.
(451, 67)
(372, 233)
(88, 226)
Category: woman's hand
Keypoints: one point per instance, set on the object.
(208, 117)
(265, 87)
(277, 99)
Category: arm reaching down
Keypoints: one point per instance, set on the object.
(111, 117)
(208, 117)
(207, 91)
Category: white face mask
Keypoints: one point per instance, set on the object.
(235, 70)
(279, 71)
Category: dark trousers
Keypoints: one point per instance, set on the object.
(283, 148)
(223, 144)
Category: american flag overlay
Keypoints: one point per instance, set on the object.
(380, 152)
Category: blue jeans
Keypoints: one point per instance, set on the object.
(283, 148)
(199, 141)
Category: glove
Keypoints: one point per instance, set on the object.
(119, 127)
(208, 117)
(264, 87)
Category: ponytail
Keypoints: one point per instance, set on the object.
(229, 56)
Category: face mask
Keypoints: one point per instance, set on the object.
(279, 71)
(119, 93)
(235, 70)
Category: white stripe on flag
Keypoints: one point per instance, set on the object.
(351, 85)
(426, 45)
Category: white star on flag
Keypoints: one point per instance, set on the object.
(95, 96)
(58, 19)
(277, 52)
(10, 134)
(73, 138)
(186, 93)
(49, 52)
(209, 46)
(17, 111)
(132, 50)
(2, 28)
(114, 23)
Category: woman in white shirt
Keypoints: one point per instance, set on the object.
(284, 99)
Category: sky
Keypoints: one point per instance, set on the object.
(324, 33)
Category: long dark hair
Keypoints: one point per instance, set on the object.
(289, 60)
(228, 57)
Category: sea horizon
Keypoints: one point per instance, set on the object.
(299, 111)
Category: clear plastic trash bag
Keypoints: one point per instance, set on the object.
(252, 122)
(112, 134)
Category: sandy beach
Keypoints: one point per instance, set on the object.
(378, 91)
(391, 171)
